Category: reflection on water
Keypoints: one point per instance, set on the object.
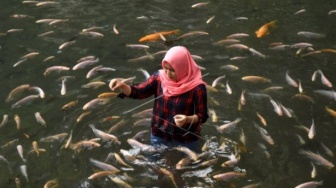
(245, 151)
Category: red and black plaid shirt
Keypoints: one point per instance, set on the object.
(165, 108)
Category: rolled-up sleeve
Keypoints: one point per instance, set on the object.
(200, 96)
(145, 89)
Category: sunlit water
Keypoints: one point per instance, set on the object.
(279, 165)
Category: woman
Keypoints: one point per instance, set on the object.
(180, 105)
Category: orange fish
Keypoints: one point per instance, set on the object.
(156, 36)
(264, 30)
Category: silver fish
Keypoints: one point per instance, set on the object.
(105, 137)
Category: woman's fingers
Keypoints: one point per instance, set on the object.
(113, 84)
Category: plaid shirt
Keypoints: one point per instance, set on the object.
(165, 108)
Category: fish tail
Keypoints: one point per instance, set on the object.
(272, 24)
(176, 32)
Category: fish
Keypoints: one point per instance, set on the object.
(66, 44)
(92, 34)
(145, 73)
(328, 109)
(30, 55)
(265, 135)
(310, 184)
(40, 119)
(94, 28)
(69, 105)
(85, 63)
(265, 29)
(94, 103)
(332, 12)
(313, 172)
(46, 3)
(156, 36)
(144, 147)
(104, 166)
(36, 148)
(63, 86)
(256, 79)
(169, 174)
(256, 53)
(54, 138)
(105, 137)
(94, 85)
(188, 152)
(101, 174)
(39, 90)
(19, 62)
(128, 156)
(276, 107)
(210, 19)
(237, 36)
(262, 119)
(228, 126)
(290, 81)
(85, 144)
(93, 71)
(68, 143)
(84, 114)
(115, 30)
(238, 47)
(120, 182)
(201, 4)
(58, 21)
(16, 91)
(121, 161)
(228, 41)
(9, 144)
(217, 80)
(214, 117)
(228, 88)
(25, 101)
(286, 111)
(182, 163)
(232, 162)
(56, 69)
(317, 159)
(17, 182)
(311, 35)
(324, 80)
(137, 46)
(142, 122)
(229, 176)
(45, 33)
(312, 131)
(4, 120)
(17, 120)
(53, 183)
(23, 169)
(300, 11)
(107, 95)
(19, 149)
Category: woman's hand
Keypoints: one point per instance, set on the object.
(116, 83)
(180, 119)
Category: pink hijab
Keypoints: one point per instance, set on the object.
(188, 74)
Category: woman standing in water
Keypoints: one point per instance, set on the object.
(180, 106)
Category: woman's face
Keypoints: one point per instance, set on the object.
(171, 74)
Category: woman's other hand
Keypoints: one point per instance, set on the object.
(180, 119)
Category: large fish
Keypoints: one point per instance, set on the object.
(265, 29)
(156, 36)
